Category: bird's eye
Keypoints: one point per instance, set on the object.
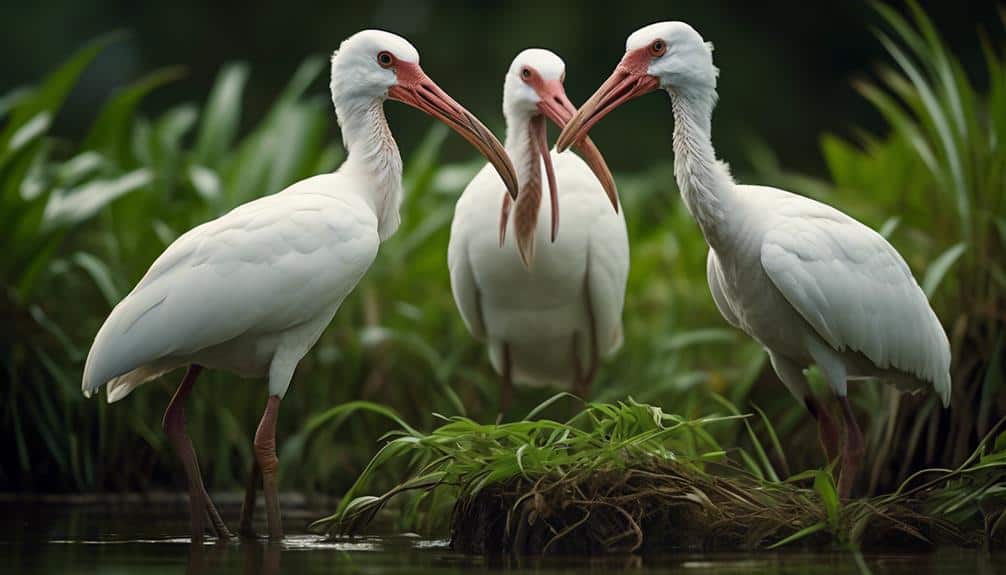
(385, 59)
(525, 73)
(658, 48)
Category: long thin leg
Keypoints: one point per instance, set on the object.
(173, 423)
(791, 374)
(835, 371)
(852, 454)
(265, 453)
(827, 429)
(506, 383)
(247, 528)
(581, 385)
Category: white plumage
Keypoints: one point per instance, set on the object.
(823, 288)
(811, 284)
(251, 291)
(569, 295)
(259, 283)
(541, 309)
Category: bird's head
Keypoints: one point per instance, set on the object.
(668, 55)
(533, 86)
(533, 90)
(375, 65)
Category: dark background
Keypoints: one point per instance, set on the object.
(785, 66)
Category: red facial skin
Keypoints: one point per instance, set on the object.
(416, 89)
(555, 106)
(629, 80)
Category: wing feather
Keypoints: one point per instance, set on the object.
(856, 291)
(264, 267)
(608, 273)
(465, 289)
(714, 276)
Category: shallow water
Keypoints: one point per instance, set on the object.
(148, 539)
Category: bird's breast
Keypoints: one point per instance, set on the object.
(760, 308)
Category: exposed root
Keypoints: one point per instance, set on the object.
(669, 506)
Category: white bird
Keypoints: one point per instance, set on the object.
(251, 291)
(549, 304)
(809, 283)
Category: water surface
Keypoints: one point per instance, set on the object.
(148, 539)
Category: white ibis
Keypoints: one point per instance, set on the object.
(549, 303)
(809, 283)
(251, 291)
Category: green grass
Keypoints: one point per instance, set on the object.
(628, 476)
(81, 220)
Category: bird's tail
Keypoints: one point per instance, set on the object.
(91, 381)
(121, 385)
(107, 365)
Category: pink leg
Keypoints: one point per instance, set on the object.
(583, 381)
(827, 429)
(506, 383)
(852, 453)
(265, 453)
(247, 529)
(174, 427)
(583, 384)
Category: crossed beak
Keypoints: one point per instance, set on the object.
(628, 81)
(556, 107)
(416, 89)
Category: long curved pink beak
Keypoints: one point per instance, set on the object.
(556, 107)
(628, 81)
(416, 89)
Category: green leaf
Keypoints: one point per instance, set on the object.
(11, 99)
(547, 403)
(72, 207)
(937, 115)
(773, 437)
(206, 182)
(222, 115)
(30, 131)
(939, 268)
(101, 276)
(889, 226)
(49, 96)
(803, 476)
(685, 339)
(801, 534)
(824, 485)
(112, 130)
(80, 167)
(348, 408)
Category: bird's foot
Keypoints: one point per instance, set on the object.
(217, 525)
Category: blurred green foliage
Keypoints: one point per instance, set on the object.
(82, 221)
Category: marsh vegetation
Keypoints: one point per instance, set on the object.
(81, 220)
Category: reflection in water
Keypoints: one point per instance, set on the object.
(259, 557)
(60, 539)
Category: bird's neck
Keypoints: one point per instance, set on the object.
(373, 155)
(520, 146)
(706, 185)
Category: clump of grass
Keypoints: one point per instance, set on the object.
(627, 476)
